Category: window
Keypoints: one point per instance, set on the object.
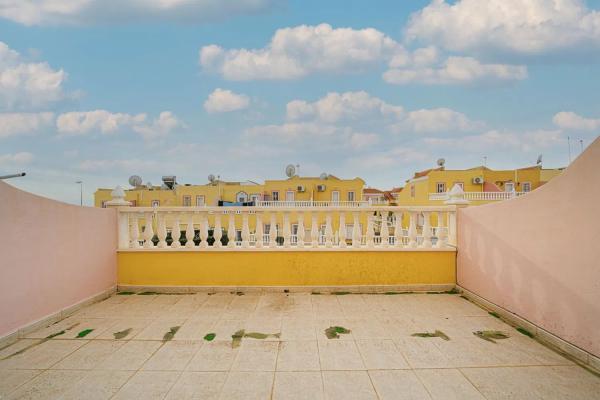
(255, 198)
(289, 195)
(461, 184)
(241, 197)
(267, 229)
(275, 196)
(133, 203)
(527, 186)
(440, 187)
(509, 187)
(155, 203)
(412, 190)
(350, 196)
(104, 203)
(335, 196)
(200, 200)
(187, 201)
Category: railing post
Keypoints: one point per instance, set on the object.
(258, 232)
(135, 232)
(452, 227)
(370, 235)
(342, 230)
(314, 230)
(442, 234)
(273, 230)
(231, 232)
(203, 230)
(245, 230)
(300, 232)
(118, 202)
(189, 232)
(217, 231)
(398, 231)
(287, 231)
(384, 231)
(356, 231)
(412, 231)
(426, 230)
(161, 230)
(328, 230)
(175, 233)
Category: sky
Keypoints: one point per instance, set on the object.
(96, 91)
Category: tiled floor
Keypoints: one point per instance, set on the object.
(378, 359)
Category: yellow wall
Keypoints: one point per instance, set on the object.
(285, 268)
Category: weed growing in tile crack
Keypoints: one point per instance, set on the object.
(122, 334)
(169, 335)
(333, 332)
(452, 291)
(259, 335)
(125, 293)
(493, 314)
(491, 336)
(340, 293)
(210, 336)
(236, 338)
(23, 350)
(84, 333)
(147, 293)
(525, 332)
(437, 333)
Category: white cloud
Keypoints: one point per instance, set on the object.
(302, 50)
(121, 165)
(221, 100)
(26, 84)
(437, 120)
(393, 157)
(569, 120)
(13, 124)
(495, 140)
(517, 26)
(292, 131)
(16, 159)
(336, 106)
(82, 123)
(362, 140)
(454, 70)
(80, 12)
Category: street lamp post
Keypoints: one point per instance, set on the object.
(80, 192)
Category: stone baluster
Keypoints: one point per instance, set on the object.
(287, 231)
(398, 231)
(300, 232)
(189, 231)
(412, 231)
(135, 232)
(384, 231)
(342, 230)
(161, 230)
(273, 230)
(175, 232)
(217, 231)
(258, 232)
(426, 230)
(356, 231)
(314, 230)
(204, 230)
(452, 227)
(442, 235)
(328, 230)
(245, 231)
(370, 243)
(231, 233)
(148, 232)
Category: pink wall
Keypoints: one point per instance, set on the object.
(539, 255)
(52, 255)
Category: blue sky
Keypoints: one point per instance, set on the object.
(99, 91)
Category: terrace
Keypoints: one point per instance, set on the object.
(452, 301)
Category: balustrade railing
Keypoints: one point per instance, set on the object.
(479, 196)
(311, 203)
(286, 228)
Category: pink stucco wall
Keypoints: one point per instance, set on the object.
(539, 255)
(52, 255)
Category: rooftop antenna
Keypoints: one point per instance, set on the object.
(290, 170)
(569, 144)
(485, 161)
(323, 176)
(581, 144)
(298, 169)
(135, 180)
(441, 162)
(20, 174)
(211, 178)
(539, 160)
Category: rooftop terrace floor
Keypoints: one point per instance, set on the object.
(378, 359)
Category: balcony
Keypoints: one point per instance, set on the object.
(479, 196)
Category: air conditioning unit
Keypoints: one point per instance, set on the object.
(301, 188)
(320, 188)
(478, 180)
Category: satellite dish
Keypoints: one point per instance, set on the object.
(211, 178)
(539, 160)
(290, 170)
(149, 184)
(135, 180)
(441, 162)
(323, 176)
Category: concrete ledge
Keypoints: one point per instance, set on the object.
(285, 269)
(290, 289)
(12, 337)
(552, 341)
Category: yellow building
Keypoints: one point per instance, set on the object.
(480, 184)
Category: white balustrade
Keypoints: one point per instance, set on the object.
(479, 196)
(398, 228)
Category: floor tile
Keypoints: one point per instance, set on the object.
(247, 386)
(130, 356)
(298, 355)
(398, 385)
(256, 356)
(90, 355)
(42, 356)
(48, 385)
(298, 386)
(172, 356)
(339, 355)
(148, 385)
(198, 386)
(12, 379)
(448, 384)
(214, 356)
(97, 385)
(348, 385)
(381, 354)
